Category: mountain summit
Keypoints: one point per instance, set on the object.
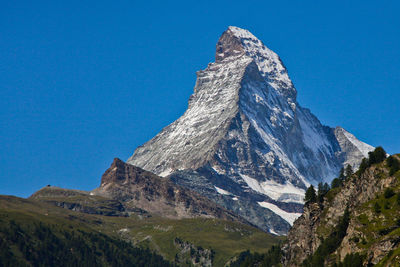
(245, 142)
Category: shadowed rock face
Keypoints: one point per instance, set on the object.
(245, 131)
(137, 188)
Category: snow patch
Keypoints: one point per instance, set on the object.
(166, 172)
(279, 192)
(287, 216)
(222, 191)
(273, 232)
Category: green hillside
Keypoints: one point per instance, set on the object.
(186, 241)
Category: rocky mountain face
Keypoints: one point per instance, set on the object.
(245, 142)
(136, 189)
(372, 198)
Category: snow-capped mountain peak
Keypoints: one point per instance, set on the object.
(245, 133)
(236, 41)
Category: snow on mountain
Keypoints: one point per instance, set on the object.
(244, 133)
(287, 216)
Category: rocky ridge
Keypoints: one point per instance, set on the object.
(245, 142)
(372, 198)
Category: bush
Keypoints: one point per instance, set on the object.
(374, 157)
(269, 259)
(377, 207)
(323, 189)
(363, 166)
(394, 165)
(336, 183)
(352, 260)
(377, 156)
(389, 193)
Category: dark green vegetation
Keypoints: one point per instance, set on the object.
(269, 259)
(132, 239)
(310, 195)
(374, 157)
(394, 164)
(351, 260)
(29, 242)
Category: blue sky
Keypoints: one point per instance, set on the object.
(82, 83)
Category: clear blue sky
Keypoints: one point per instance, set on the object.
(82, 82)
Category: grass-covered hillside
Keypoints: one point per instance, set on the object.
(35, 233)
(32, 235)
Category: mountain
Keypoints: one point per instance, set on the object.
(356, 222)
(245, 137)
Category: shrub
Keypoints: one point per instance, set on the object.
(374, 157)
(323, 189)
(336, 183)
(352, 260)
(389, 193)
(363, 166)
(394, 165)
(377, 156)
(377, 207)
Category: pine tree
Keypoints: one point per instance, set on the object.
(310, 195)
(323, 189)
(349, 171)
(377, 156)
(336, 183)
(363, 166)
(341, 174)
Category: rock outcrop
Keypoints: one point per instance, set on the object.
(372, 198)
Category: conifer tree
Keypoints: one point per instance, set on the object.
(377, 156)
(310, 195)
(349, 171)
(341, 174)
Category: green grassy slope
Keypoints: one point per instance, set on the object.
(225, 239)
(30, 236)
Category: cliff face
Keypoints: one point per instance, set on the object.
(245, 142)
(136, 188)
(373, 202)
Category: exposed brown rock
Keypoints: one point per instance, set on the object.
(137, 188)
